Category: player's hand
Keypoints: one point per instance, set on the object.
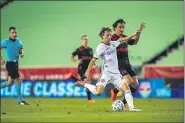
(142, 26)
(79, 61)
(22, 55)
(2, 61)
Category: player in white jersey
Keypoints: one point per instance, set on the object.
(106, 50)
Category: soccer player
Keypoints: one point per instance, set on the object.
(85, 55)
(123, 60)
(106, 50)
(14, 48)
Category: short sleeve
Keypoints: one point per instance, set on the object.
(4, 44)
(99, 51)
(20, 44)
(75, 52)
(131, 41)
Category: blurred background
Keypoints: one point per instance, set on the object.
(51, 31)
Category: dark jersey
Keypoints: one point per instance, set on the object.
(122, 51)
(85, 55)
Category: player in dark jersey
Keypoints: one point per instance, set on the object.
(123, 60)
(85, 54)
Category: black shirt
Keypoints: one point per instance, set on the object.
(85, 54)
(122, 51)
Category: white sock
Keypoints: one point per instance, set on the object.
(92, 88)
(129, 99)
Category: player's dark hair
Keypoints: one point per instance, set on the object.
(12, 28)
(115, 24)
(103, 29)
(83, 36)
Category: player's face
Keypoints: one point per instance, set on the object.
(13, 33)
(120, 28)
(84, 41)
(107, 36)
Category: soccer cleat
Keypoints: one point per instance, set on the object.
(68, 76)
(135, 110)
(23, 103)
(126, 108)
(91, 101)
(113, 96)
(80, 83)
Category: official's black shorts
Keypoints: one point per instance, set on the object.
(125, 71)
(81, 72)
(13, 69)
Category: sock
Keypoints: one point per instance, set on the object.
(18, 90)
(88, 94)
(133, 90)
(129, 99)
(115, 90)
(92, 88)
(4, 84)
(124, 100)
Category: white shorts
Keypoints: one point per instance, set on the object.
(106, 78)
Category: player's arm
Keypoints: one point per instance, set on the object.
(126, 39)
(91, 64)
(1, 59)
(73, 59)
(3, 45)
(21, 53)
(139, 32)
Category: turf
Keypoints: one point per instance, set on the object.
(78, 110)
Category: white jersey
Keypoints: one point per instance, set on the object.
(108, 55)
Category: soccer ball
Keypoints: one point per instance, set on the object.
(117, 105)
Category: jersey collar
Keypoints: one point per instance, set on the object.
(12, 39)
(105, 43)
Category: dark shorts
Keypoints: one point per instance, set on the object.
(81, 72)
(13, 69)
(126, 71)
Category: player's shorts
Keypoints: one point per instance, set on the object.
(125, 71)
(13, 69)
(106, 78)
(81, 72)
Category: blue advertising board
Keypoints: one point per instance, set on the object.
(56, 89)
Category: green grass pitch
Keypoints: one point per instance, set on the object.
(79, 110)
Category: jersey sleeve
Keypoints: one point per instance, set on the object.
(99, 51)
(20, 44)
(131, 41)
(3, 43)
(75, 52)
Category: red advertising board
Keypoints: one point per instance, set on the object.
(154, 71)
(57, 73)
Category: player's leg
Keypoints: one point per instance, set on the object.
(15, 76)
(123, 86)
(98, 89)
(18, 90)
(9, 68)
(7, 83)
(81, 72)
(133, 85)
(129, 80)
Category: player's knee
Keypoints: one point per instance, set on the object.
(128, 79)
